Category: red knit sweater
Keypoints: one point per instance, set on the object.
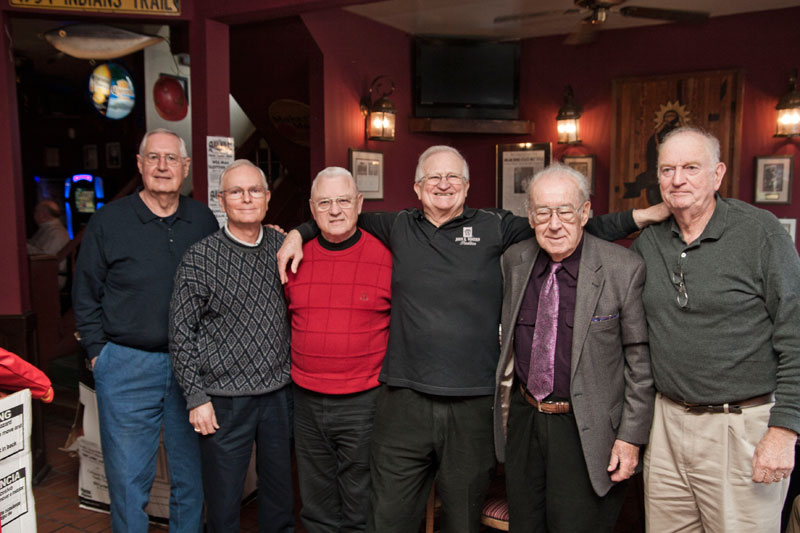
(339, 305)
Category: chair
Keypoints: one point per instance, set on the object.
(495, 510)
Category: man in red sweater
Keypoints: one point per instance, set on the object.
(339, 303)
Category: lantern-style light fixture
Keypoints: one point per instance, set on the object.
(380, 114)
(568, 119)
(789, 110)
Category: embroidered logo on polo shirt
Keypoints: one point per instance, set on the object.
(467, 239)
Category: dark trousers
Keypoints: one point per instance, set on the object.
(547, 482)
(265, 420)
(332, 438)
(418, 438)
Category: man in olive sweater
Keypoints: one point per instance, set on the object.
(229, 340)
(722, 299)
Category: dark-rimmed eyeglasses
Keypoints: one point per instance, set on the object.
(436, 179)
(565, 213)
(237, 193)
(677, 279)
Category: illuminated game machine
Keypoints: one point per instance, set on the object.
(83, 195)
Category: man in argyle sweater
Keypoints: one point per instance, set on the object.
(229, 340)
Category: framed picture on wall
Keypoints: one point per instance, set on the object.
(516, 165)
(791, 226)
(113, 155)
(367, 169)
(90, 157)
(774, 179)
(645, 109)
(584, 164)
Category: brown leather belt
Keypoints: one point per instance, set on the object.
(730, 407)
(549, 408)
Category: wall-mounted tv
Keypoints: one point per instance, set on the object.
(459, 78)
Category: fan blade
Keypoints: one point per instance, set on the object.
(585, 33)
(673, 15)
(519, 17)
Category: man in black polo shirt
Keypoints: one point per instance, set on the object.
(121, 294)
(434, 414)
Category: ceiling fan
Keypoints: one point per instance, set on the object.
(598, 10)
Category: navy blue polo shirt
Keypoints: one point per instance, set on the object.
(125, 268)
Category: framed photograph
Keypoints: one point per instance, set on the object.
(774, 179)
(791, 226)
(584, 164)
(90, 157)
(516, 165)
(113, 155)
(367, 168)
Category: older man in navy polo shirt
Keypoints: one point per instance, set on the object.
(121, 294)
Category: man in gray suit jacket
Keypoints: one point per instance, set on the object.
(574, 397)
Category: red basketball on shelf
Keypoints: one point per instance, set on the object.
(169, 98)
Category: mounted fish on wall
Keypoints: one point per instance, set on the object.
(98, 41)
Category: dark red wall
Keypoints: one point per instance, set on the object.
(764, 45)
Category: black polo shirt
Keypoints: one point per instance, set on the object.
(447, 293)
(125, 269)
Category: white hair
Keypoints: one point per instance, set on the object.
(711, 142)
(433, 150)
(143, 144)
(563, 170)
(242, 163)
(333, 172)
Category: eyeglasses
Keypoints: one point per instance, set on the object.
(237, 193)
(436, 179)
(677, 279)
(344, 202)
(153, 158)
(565, 213)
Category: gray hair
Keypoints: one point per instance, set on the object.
(165, 131)
(333, 172)
(242, 163)
(433, 150)
(562, 170)
(711, 142)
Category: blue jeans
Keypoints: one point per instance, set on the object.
(332, 438)
(136, 393)
(266, 420)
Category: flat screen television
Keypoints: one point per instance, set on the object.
(459, 78)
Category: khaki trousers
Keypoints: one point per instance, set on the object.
(697, 471)
(794, 519)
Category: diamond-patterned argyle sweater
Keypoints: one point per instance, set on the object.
(229, 331)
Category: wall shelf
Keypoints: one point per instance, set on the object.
(470, 125)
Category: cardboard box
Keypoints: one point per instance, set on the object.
(92, 484)
(17, 507)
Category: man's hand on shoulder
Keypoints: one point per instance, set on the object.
(276, 228)
(292, 249)
(204, 419)
(624, 458)
(773, 459)
(651, 215)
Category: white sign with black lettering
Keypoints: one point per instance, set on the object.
(221, 151)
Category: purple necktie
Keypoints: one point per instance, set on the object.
(543, 348)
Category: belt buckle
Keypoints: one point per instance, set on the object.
(539, 406)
